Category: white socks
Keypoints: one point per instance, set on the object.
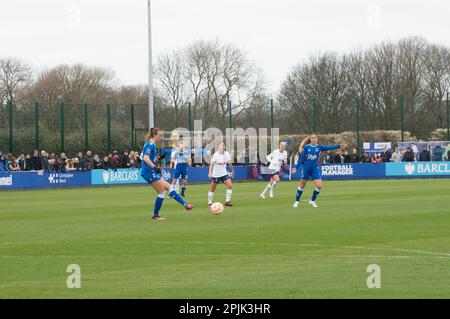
(210, 197)
(274, 184)
(228, 197)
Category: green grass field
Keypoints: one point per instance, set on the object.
(257, 249)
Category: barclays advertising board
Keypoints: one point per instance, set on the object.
(418, 169)
(133, 176)
(121, 176)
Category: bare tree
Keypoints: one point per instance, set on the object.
(14, 74)
(169, 72)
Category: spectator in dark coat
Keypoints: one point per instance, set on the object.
(125, 160)
(21, 162)
(409, 155)
(3, 163)
(367, 158)
(386, 155)
(115, 160)
(36, 163)
(44, 161)
(347, 157)
(338, 159)
(88, 161)
(106, 163)
(79, 164)
(425, 155)
(330, 157)
(28, 164)
(97, 162)
(438, 151)
(355, 156)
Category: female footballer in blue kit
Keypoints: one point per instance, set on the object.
(180, 161)
(310, 164)
(151, 172)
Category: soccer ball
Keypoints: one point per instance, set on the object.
(216, 208)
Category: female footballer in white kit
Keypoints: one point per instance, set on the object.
(218, 174)
(276, 159)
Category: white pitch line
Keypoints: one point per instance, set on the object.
(438, 254)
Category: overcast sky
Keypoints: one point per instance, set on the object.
(275, 34)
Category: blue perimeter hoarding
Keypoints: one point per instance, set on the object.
(29, 180)
(36, 180)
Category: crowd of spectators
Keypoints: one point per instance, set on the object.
(38, 161)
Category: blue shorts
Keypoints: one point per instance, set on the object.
(180, 173)
(151, 177)
(222, 179)
(311, 173)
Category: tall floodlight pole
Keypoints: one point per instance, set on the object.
(151, 119)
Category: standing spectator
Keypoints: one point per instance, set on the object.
(44, 161)
(438, 151)
(97, 162)
(115, 160)
(386, 154)
(424, 155)
(347, 157)
(12, 164)
(21, 162)
(397, 156)
(63, 159)
(79, 163)
(106, 163)
(137, 160)
(36, 163)
(367, 158)
(355, 156)
(330, 157)
(3, 163)
(125, 160)
(28, 163)
(338, 159)
(409, 155)
(88, 161)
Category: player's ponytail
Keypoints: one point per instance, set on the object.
(152, 133)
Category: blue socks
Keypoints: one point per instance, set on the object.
(183, 190)
(173, 193)
(158, 203)
(299, 194)
(315, 194)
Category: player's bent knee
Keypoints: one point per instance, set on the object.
(162, 194)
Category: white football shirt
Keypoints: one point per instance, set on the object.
(220, 164)
(276, 159)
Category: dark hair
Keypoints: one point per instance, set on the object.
(152, 133)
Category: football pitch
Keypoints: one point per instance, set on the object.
(256, 249)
